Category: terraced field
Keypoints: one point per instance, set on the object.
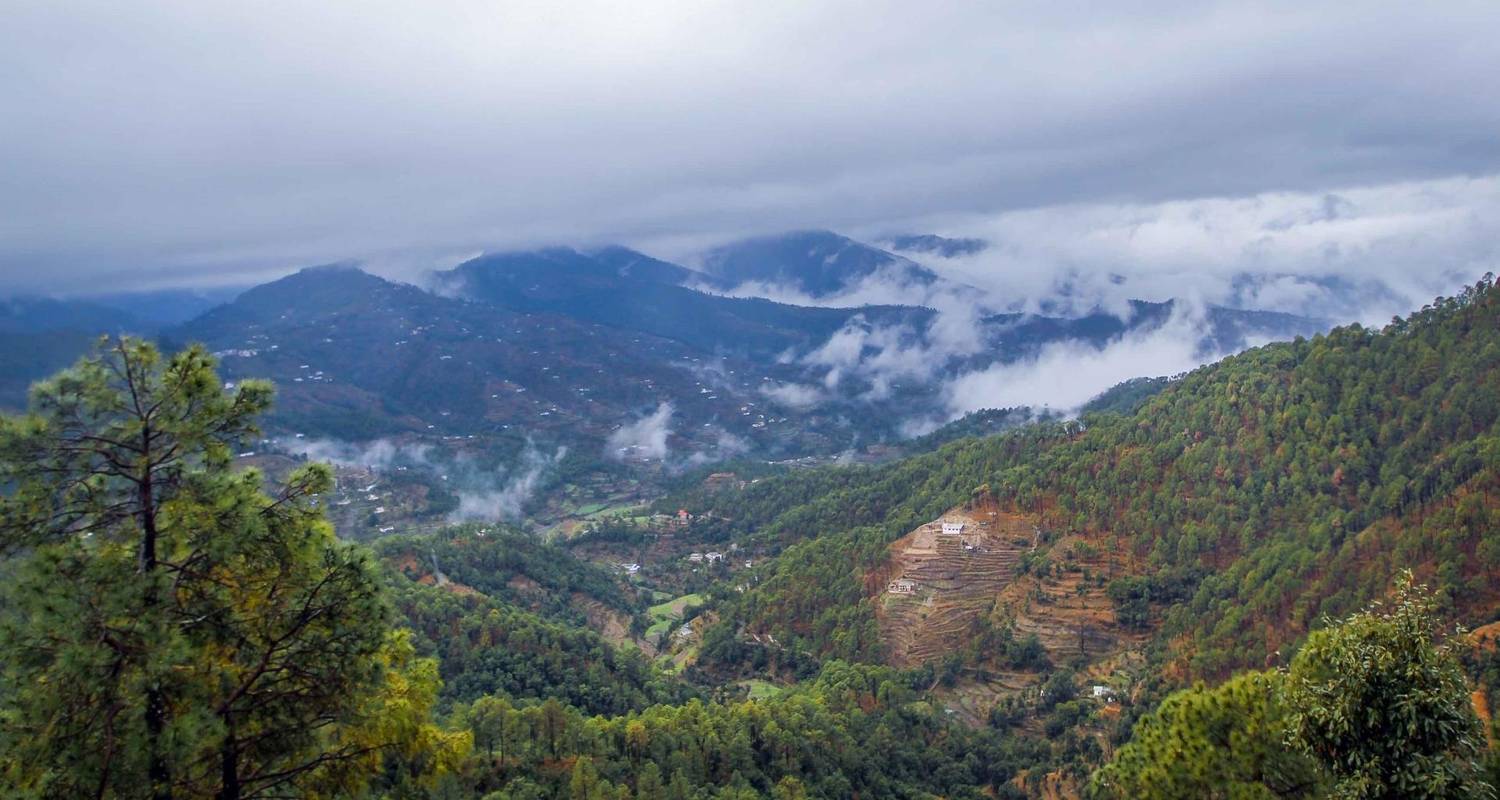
(1067, 606)
(956, 579)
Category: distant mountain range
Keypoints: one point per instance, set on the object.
(45, 314)
(626, 289)
(937, 245)
(573, 346)
(818, 264)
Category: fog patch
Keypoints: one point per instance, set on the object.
(1062, 376)
(726, 446)
(644, 438)
(882, 356)
(509, 491)
(796, 396)
(379, 454)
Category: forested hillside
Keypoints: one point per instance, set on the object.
(1282, 484)
(176, 627)
(507, 615)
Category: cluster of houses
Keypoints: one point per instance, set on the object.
(709, 557)
(316, 376)
(682, 519)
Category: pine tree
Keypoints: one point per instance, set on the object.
(173, 631)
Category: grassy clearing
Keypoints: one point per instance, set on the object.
(762, 690)
(672, 609)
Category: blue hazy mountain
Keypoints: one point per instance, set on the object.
(818, 264)
(163, 307)
(629, 290)
(933, 244)
(45, 314)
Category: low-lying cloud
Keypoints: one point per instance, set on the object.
(483, 492)
(644, 438)
(1359, 253)
(516, 487)
(1064, 375)
(376, 454)
(796, 396)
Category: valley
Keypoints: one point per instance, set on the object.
(749, 401)
(530, 385)
(574, 499)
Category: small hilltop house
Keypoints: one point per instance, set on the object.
(902, 586)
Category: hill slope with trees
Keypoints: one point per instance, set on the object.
(1280, 485)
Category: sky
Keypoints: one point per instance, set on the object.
(186, 143)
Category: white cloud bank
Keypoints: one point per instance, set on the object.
(1359, 253)
(1064, 375)
(316, 132)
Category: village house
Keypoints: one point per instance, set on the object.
(695, 557)
(1101, 692)
(953, 528)
(631, 569)
(902, 586)
(714, 556)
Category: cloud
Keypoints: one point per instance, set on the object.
(377, 454)
(726, 446)
(1064, 375)
(507, 500)
(484, 492)
(881, 356)
(797, 396)
(1363, 253)
(644, 438)
(312, 133)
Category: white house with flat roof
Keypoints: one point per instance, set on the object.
(953, 528)
(902, 586)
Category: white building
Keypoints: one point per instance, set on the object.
(695, 557)
(712, 557)
(953, 528)
(1100, 692)
(902, 586)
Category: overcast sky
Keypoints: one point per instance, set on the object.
(152, 143)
